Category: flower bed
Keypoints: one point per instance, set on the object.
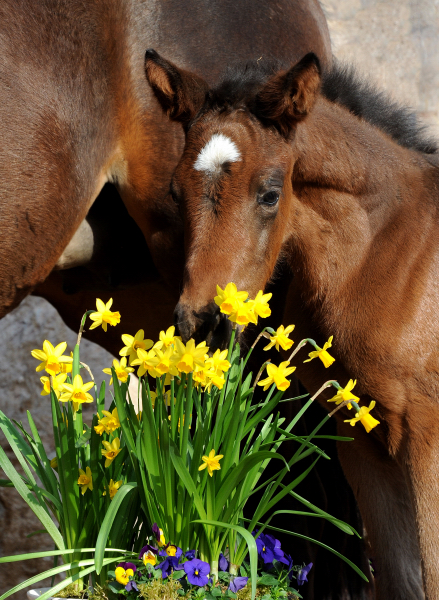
(188, 461)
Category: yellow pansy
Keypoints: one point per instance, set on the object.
(54, 381)
(345, 394)
(280, 339)
(85, 480)
(122, 371)
(51, 357)
(278, 375)
(149, 558)
(366, 419)
(111, 450)
(113, 486)
(132, 344)
(211, 462)
(103, 315)
(122, 575)
(77, 392)
(322, 353)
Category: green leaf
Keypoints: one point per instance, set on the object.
(30, 499)
(83, 439)
(108, 522)
(178, 574)
(267, 580)
(252, 549)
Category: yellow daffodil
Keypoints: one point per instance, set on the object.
(132, 344)
(218, 362)
(214, 379)
(51, 357)
(260, 305)
(103, 315)
(113, 486)
(366, 419)
(122, 575)
(109, 423)
(211, 462)
(147, 361)
(167, 337)
(228, 298)
(278, 375)
(243, 313)
(149, 558)
(280, 339)
(76, 392)
(166, 363)
(189, 355)
(66, 367)
(85, 480)
(345, 394)
(54, 381)
(322, 353)
(111, 450)
(122, 371)
(199, 376)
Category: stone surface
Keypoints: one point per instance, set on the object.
(393, 42)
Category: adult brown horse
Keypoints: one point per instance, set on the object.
(76, 112)
(327, 174)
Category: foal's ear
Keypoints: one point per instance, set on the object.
(180, 93)
(290, 95)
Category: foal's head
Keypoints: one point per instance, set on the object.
(233, 182)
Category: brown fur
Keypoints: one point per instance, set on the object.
(357, 223)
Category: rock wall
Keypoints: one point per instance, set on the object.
(393, 42)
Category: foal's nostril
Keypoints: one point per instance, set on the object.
(207, 324)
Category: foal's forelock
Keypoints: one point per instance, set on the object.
(219, 150)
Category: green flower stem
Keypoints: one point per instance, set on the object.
(270, 330)
(261, 370)
(355, 405)
(81, 327)
(214, 570)
(300, 345)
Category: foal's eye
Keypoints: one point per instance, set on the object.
(270, 198)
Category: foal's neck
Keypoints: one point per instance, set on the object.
(357, 192)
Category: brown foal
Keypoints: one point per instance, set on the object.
(326, 175)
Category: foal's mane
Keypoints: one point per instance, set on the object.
(341, 85)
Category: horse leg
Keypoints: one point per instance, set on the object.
(383, 495)
(423, 467)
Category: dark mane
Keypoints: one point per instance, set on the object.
(341, 85)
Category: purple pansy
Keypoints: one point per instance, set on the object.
(127, 565)
(147, 548)
(131, 586)
(303, 573)
(197, 571)
(223, 563)
(168, 565)
(237, 584)
(274, 544)
(190, 554)
(264, 550)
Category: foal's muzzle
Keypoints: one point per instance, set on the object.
(206, 324)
